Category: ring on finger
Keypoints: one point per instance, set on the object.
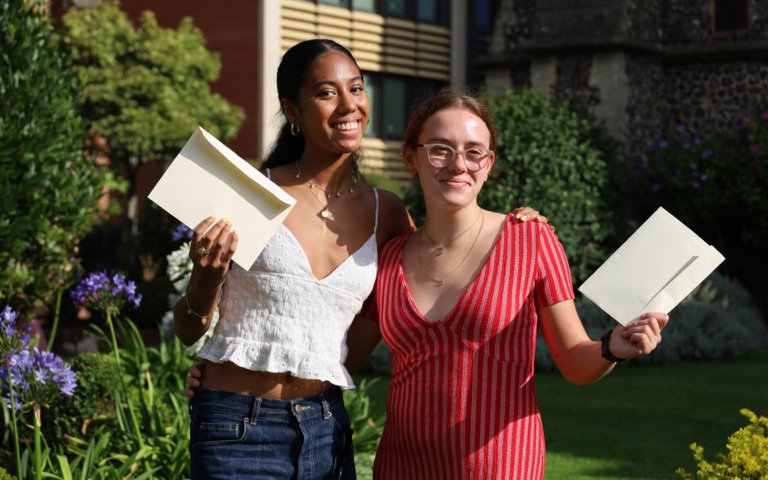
(202, 251)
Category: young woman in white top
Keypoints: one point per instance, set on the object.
(269, 403)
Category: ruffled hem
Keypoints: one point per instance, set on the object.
(276, 359)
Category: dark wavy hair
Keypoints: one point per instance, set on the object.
(291, 75)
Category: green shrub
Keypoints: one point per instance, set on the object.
(92, 407)
(717, 320)
(550, 158)
(747, 457)
(48, 188)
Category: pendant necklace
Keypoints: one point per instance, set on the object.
(438, 249)
(325, 214)
(441, 281)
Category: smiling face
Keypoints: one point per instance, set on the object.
(452, 184)
(332, 106)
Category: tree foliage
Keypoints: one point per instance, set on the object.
(48, 188)
(145, 89)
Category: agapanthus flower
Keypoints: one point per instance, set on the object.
(105, 291)
(181, 232)
(38, 377)
(12, 336)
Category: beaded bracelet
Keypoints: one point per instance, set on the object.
(202, 318)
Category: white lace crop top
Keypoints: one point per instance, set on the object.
(278, 317)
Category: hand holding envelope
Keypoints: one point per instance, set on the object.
(653, 271)
(207, 178)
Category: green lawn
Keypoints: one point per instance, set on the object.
(637, 423)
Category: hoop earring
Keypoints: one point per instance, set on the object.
(295, 130)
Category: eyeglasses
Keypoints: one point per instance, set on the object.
(441, 155)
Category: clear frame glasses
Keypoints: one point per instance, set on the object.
(441, 155)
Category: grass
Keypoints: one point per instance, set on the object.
(637, 423)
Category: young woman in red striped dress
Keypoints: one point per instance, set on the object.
(459, 303)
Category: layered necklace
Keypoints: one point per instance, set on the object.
(325, 214)
(437, 249)
(439, 282)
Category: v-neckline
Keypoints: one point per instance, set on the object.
(308, 265)
(470, 286)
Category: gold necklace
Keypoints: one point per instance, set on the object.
(328, 193)
(441, 281)
(325, 214)
(438, 249)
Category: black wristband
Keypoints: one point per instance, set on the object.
(605, 347)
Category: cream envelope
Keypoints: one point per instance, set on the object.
(653, 271)
(207, 178)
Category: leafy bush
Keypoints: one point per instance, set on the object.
(48, 188)
(550, 158)
(93, 406)
(747, 456)
(717, 320)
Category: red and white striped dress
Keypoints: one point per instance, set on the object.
(462, 403)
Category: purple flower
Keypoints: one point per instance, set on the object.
(704, 177)
(38, 377)
(105, 291)
(181, 232)
(12, 336)
(706, 154)
(695, 184)
(680, 128)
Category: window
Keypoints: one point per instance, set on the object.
(731, 16)
(366, 5)
(394, 108)
(391, 98)
(372, 89)
(426, 11)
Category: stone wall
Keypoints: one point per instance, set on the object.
(676, 70)
(690, 23)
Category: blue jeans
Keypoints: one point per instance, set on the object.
(234, 436)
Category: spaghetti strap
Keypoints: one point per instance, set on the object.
(269, 173)
(376, 218)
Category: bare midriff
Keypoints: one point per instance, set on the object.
(231, 378)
